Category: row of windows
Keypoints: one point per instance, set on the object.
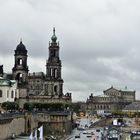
(53, 72)
(103, 98)
(113, 94)
(102, 107)
(33, 81)
(106, 99)
(119, 94)
(9, 95)
(37, 87)
(128, 94)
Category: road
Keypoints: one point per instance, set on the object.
(97, 132)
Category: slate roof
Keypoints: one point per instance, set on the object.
(21, 49)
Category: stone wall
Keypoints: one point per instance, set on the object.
(7, 127)
(55, 123)
(58, 123)
(17, 125)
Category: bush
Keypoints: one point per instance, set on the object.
(47, 106)
(28, 106)
(10, 106)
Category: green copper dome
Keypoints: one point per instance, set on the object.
(54, 38)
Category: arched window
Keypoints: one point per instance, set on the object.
(7, 93)
(55, 89)
(12, 94)
(19, 77)
(15, 94)
(101, 106)
(51, 72)
(0, 93)
(19, 61)
(55, 73)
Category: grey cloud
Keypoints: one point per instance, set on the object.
(99, 40)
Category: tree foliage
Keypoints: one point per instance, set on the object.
(10, 106)
(47, 106)
(76, 107)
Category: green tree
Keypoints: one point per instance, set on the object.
(10, 106)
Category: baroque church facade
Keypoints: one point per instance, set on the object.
(37, 86)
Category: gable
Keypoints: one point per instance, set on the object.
(112, 91)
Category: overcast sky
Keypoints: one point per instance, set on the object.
(99, 41)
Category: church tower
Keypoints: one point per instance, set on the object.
(53, 69)
(20, 69)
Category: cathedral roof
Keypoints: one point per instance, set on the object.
(21, 49)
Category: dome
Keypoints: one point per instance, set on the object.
(54, 38)
(21, 49)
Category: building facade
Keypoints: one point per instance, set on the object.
(37, 86)
(8, 90)
(112, 100)
(36, 83)
(54, 81)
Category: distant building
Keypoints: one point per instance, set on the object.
(112, 100)
(123, 94)
(8, 90)
(133, 107)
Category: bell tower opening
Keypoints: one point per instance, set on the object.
(20, 61)
(55, 73)
(19, 77)
(55, 89)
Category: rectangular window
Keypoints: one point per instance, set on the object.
(15, 94)
(12, 94)
(0, 93)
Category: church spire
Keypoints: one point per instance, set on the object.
(54, 38)
(53, 69)
(54, 31)
(21, 40)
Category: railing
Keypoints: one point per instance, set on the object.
(54, 112)
(11, 115)
(8, 115)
